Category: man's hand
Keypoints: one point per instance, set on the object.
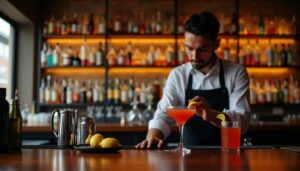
(202, 108)
(153, 139)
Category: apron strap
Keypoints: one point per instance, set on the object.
(221, 75)
(190, 82)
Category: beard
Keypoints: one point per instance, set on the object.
(200, 64)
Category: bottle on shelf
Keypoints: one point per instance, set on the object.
(116, 92)
(15, 125)
(256, 54)
(55, 99)
(91, 25)
(124, 93)
(151, 55)
(4, 121)
(110, 91)
(70, 92)
(170, 56)
(128, 60)
(83, 93)
(283, 56)
(84, 53)
(48, 90)
(275, 56)
(99, 55)
(261, 25)
(74, 91)
(49, 57)
(44, 55)
(42, 91)
(63, 97)
(56, 55)
(74, 24)
(89, 92)
(280, 94)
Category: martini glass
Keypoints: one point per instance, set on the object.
(180, 114)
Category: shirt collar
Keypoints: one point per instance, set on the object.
(215, 68)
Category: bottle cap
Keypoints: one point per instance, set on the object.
(3, 92)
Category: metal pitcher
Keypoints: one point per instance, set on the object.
(66, 135)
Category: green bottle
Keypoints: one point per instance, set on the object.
(15, 125)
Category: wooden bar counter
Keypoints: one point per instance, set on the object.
(142, 160)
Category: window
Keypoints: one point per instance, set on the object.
(6, 56)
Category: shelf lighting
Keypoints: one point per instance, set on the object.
(269, 71)
(75, 41)
(142, 40)
(140, 71)
(75, 70)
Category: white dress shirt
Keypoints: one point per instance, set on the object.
(237, 84)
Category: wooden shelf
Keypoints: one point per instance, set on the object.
(145, 36)
(67, 70)
(80, 105)
(254, 36)
(96, 36)
(222, 36)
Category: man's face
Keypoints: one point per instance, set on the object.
(199, 49)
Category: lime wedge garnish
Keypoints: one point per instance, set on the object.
(221, 116)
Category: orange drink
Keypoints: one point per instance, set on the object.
(231, 137)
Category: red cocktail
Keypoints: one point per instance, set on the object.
(180, 114)
(231, 137)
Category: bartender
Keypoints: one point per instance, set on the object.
(216, 85)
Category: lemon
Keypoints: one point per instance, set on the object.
(96, 140)
(109, 143)
(88, 139)
(221, 116)
(193, 104)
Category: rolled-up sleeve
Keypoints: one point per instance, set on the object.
(239, 107)
(161, 120)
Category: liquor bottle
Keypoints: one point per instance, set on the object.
(135, 26)
(58, 27)
(84, 53)
(128, 61)
(91, 24)
(158, 25)
(70, 92)
(169, 56)
(112, 56)
(4, 119)
(268, 91)
(275, 55)
(129, 24)
(96, 92)
(101, 93)
(15, 125)
(51, 25)
(55, 93)
(157, 56)
(101, 25)
(76, 60)
(85, 24)
(76, 92)
(89, 92)
(49, 56)
(260, 93)
(249, 56)
(274, 91)
(99, 55)
(63, 97)
(286, 92)
(110, 92)
(124, 93)
(66, 60)
(45, 27)
(64, 25)
(256, 54)
(120, 59)
(92, 56)
(293, 26)
(142, 24)
(289, 55)
(83, 91)
(261, 25)
(48, 90)
(44, 55)
(269, 53)
(137, 92)
(252, 92)
(151, 55)
(42, 91)
(283, 56)
(233, 29)
(117, 24)
(296, 93)
(181, 55)
(241, 58)
(56, 55)
(116, 92)
(74, 24)
(280, 94)
(226, 54)
(131, 89)
(143, 94)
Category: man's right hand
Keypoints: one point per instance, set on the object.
(154, 139)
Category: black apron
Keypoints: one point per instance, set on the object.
(196, 131)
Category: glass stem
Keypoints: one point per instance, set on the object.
(180, 145)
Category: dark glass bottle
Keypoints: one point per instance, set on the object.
(91, 24)
(15, 125)
(4, 114)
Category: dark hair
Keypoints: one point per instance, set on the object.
(202, 24)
